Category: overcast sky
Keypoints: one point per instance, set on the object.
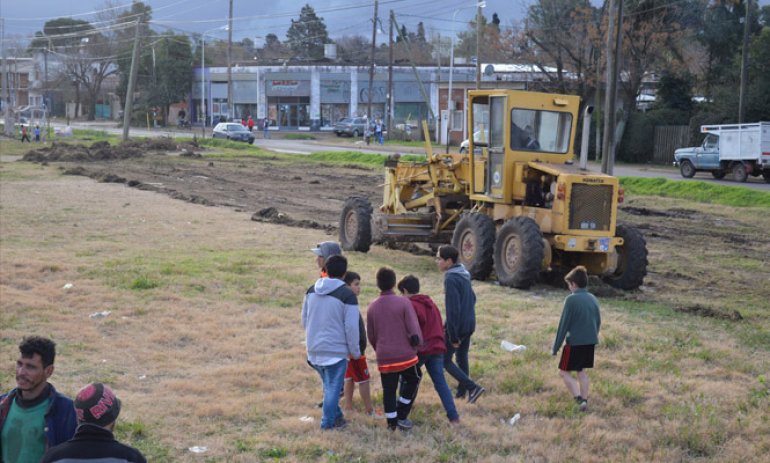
(257, 18)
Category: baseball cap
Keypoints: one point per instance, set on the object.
(327, 249)
(97, 404)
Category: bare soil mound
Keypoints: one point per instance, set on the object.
(103, 151)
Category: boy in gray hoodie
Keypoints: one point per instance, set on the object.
(330, 318)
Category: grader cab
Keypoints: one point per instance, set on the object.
(514, 203)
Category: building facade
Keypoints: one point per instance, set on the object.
(315, 97)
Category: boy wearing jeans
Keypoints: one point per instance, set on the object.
(433, 348)
(579, 323)
(330, 318)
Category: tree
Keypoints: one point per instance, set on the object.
(492, 47)
(675, 91)
(307, 35)
(172, 78)
(354, 49)
(563, 40)
(273, 50)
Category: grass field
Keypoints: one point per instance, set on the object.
(203, 342)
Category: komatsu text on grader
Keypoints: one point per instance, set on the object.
(514, 203)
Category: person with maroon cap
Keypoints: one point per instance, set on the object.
(97, 408)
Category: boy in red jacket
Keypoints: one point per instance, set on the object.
(394, 333)
(431, 353)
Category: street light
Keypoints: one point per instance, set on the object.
(203, 69)
(481, 4)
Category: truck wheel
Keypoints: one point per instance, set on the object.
(766, 175)
(739, 172)
(687, 169)
(474, 238)
(718, 174)
(356, 224)
(355, 134)
(631, 266)
(519, 253)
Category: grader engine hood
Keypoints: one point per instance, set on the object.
(584, 205)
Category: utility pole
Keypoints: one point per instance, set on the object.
(744, 64)
(478, 45)
(614, 36)
(230, 103)
(131, 81)
(6, 96)
(390, 77)
(371, 65)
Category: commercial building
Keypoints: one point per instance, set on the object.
(314, 97)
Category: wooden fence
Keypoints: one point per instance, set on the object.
(667, 139)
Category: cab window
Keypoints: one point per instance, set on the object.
(541, 131)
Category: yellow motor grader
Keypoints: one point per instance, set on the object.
(514, 203)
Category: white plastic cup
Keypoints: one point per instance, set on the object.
(514, 419)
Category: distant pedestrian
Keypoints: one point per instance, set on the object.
(24, 134)
(37, 134)
(250, 123)
(579, 324)
(378, 132)
(97, 409)
(460, 322)
(266, 128)
(394, 333)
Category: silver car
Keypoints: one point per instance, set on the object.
(233, 131)
(350, 126)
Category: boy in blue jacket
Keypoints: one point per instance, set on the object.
(579, 324)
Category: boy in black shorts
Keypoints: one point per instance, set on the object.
(580, 322)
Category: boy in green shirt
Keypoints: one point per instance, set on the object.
(580, 322)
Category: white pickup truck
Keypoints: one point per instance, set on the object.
(738, 149)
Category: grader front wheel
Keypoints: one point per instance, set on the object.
(519, 253)
(474, 238)
(631, 266)
(356, 225)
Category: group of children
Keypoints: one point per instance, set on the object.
(407, 332)
(25, 134)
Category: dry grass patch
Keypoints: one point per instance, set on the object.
(204, 346)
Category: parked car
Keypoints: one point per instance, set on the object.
(233, 131)
(477, 140)
(350, 126)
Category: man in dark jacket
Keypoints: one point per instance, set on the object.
(97, 409)
(33, 416)
(460, 322)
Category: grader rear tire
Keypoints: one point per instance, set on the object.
(474, 238)
(519, 253)
(631, 267)
(356, 224)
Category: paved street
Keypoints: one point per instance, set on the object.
(328, 142)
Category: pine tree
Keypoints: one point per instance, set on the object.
(307, 35)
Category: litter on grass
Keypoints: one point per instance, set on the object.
(101, 314)
(511, 347)
(307, 419)
(198, 449)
